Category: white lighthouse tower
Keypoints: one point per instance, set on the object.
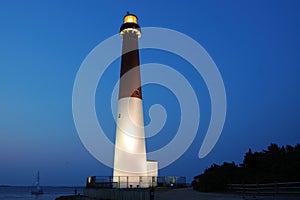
(131, 168)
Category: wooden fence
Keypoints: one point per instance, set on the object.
(284, 188)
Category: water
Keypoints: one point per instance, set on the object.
(23, 193)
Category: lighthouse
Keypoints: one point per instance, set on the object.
(131, 168)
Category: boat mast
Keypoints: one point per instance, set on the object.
(38, 178)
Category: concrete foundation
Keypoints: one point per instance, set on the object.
(118, 194)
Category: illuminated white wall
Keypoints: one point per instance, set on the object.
(130, 150)
(152, 167)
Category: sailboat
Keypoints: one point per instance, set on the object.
(37, 189)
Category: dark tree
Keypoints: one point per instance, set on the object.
(276, 164)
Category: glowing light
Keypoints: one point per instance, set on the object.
(130, 19)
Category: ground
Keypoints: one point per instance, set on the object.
(190, 194)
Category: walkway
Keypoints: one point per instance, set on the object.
(190, 194)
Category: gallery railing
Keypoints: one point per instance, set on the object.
(135, 181)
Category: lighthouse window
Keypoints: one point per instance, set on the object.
(137, 92)
(119, 116)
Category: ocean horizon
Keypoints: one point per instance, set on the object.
(8, 192)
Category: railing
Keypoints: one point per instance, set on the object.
(121, 182)
(134, 181)
(284, 188)
(171, 181)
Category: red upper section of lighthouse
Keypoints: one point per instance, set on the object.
(130, 82)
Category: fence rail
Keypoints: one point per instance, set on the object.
(283, 188)
(135, 181)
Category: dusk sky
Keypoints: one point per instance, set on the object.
(255, 45)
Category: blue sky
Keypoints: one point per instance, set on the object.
(255, 45)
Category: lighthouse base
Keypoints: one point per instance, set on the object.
(131, 180)
(119, 194)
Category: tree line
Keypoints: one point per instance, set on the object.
(276, 164)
